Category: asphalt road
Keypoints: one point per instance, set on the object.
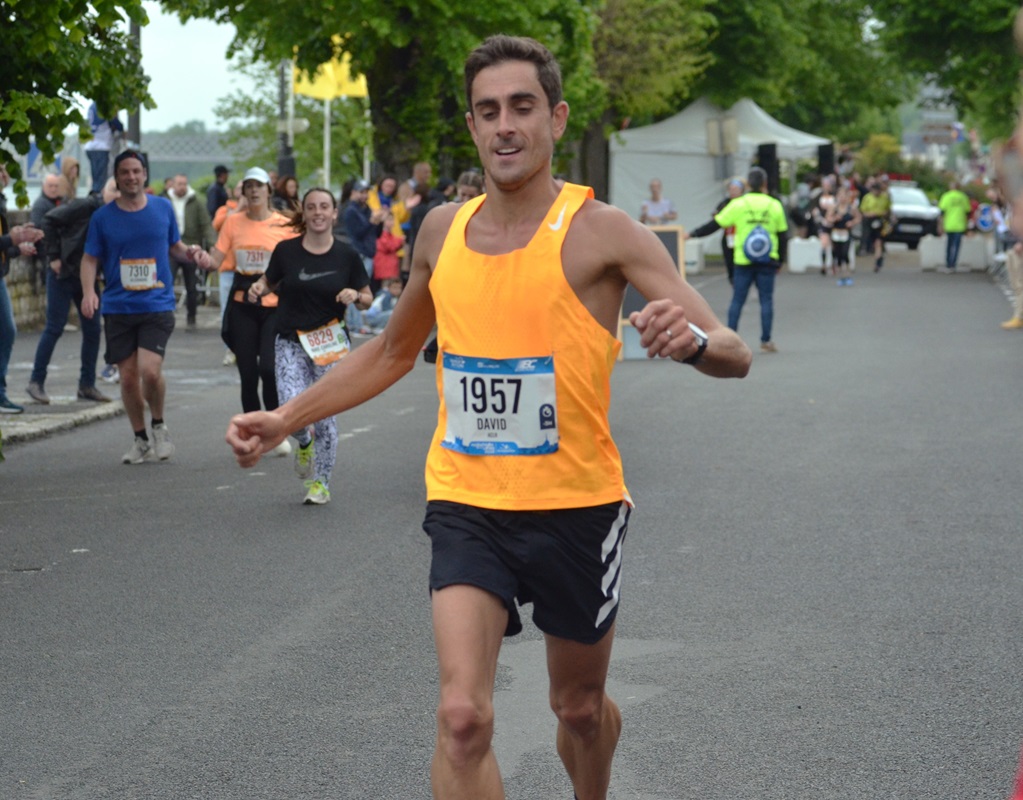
(822, 587)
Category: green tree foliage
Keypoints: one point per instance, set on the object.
(881, 153)
(650, 53)
(847, 85)
(865, 122)
(253, 139)
(756, 49)
(964, 46)
(54, 50)
(412, 52)
(814, 64)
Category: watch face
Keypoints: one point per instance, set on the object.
(698, 332)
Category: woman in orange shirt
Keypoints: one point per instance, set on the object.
(244, 247)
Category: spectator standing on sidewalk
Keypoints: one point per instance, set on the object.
(658, 210)
(363, 226)
(196, 229)
(99, 147)
(54, 190)
(386, 261)
(761, 243)
(735, 187)
(72, 171)
(285, 195)
(14, 242)
(216, 195)
(955, 217)
(65, 228)
(468, 186)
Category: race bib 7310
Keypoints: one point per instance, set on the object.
(139, 274)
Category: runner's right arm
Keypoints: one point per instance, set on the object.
(367, 371)
(87, 273)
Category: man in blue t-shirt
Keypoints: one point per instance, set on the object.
(132, 240)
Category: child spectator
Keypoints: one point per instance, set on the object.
(386, 261)
(379, 312)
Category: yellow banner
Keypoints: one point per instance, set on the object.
(333, 79)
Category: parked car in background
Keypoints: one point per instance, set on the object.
(915, 215)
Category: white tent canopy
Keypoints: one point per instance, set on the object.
(678, 151)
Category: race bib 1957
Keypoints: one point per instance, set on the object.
(501, 407)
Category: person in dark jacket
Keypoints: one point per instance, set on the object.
(735, 187)
(363, 226)
(17, 241)
(216, 195)
(196, 229)
(64, 229)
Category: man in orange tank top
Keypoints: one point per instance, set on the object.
(513, 406)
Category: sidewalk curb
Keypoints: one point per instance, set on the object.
(19, 428)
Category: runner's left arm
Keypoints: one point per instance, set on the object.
(672, 302)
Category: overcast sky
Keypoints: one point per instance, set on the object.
(188, 69)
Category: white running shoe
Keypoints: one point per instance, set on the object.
(162, 445)
(140, 451)
(282, 450)
(229, 359)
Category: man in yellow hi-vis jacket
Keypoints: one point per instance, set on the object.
(760, 248)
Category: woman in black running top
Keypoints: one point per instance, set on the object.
(315, 277)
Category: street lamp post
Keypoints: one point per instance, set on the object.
(134, 121)
(285, 154)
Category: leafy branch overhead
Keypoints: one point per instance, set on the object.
(54, 50)
(834, 67)
(412, 54)
(964, 47)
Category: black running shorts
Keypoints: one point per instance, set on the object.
(567, 563)
(126, 333)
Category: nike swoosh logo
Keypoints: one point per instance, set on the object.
(556, 225)
(305, 276)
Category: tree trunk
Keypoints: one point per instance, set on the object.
(592, 159)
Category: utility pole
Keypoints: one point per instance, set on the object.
(285, 154)
(134, 122)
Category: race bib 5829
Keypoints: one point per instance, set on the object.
(326, 344)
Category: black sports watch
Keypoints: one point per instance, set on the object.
(702, 339)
